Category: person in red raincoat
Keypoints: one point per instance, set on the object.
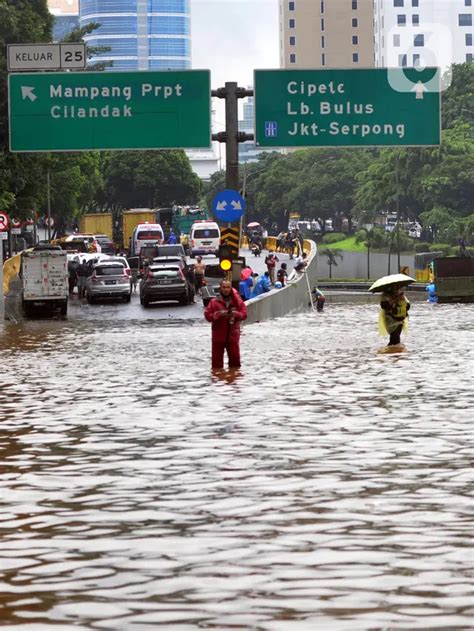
(226, 312)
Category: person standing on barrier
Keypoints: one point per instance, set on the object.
(226, 312)
(270, 261)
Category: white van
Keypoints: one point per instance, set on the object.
(205, 238)
(146, 234)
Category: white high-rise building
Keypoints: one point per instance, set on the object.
(423, 32)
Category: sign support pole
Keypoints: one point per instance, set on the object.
(48, 193)
(231, 136)
(397, 182)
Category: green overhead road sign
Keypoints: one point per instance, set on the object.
(79, 111)
(347, 108)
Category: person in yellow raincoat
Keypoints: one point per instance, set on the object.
(393, 313)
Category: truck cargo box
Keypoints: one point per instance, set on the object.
(44, 276)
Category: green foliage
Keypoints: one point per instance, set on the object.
(422, 246)
(445, 248)
(333, 237)
(332, 255)
(213, 186)
(458, 99)
(78, 34)
(374, 238)
(349, 244)
(20, 21)
(149, 179)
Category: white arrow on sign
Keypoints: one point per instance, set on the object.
(221, 205)
(236, 205)
(27, 92)
(419, 88)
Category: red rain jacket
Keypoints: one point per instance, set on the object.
(222, 330)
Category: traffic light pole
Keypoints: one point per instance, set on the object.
(231, 136)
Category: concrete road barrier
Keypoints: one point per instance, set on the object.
(293, 298)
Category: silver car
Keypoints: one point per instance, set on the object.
(108, 280)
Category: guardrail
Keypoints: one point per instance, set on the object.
(11, 268)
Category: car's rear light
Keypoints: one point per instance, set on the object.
(204, 282)
(182, 275)
(149, 275)
(128, 272)
(192, 241)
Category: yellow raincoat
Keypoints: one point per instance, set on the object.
(390, 319)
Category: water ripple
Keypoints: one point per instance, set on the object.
(323, 486)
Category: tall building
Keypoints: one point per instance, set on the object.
(141, 34)
(384, 33)
(66, 17)
(423, 32)
(326, 33)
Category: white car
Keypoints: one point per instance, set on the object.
(115, 259)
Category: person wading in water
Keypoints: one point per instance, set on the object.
(226, 312)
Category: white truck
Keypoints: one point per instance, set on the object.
(44, 276)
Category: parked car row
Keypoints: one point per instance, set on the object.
(167, 276)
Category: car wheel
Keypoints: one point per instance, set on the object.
(127, 298)
(146, 303)
(206, 301)
(64, 309)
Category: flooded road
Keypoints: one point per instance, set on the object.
(321, 487)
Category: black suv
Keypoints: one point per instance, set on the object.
(164, 282)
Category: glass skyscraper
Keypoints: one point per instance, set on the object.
(141, 34)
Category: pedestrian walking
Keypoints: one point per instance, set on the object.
(72, 275)
(199, 271)
(226, 312)
(82, 274)
(280, 241)
(394, 313)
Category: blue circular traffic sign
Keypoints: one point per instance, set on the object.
(228, 206)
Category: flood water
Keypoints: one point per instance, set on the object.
(321, 487)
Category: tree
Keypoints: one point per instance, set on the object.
(449, 182)
(77, 35)
(458, 99)
(20, 181)
(149, 179)
(331, 254)
(215, 184)
(373, 237)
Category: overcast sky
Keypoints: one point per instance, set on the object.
(232, 37)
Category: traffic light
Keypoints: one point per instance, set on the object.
(225, 258)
